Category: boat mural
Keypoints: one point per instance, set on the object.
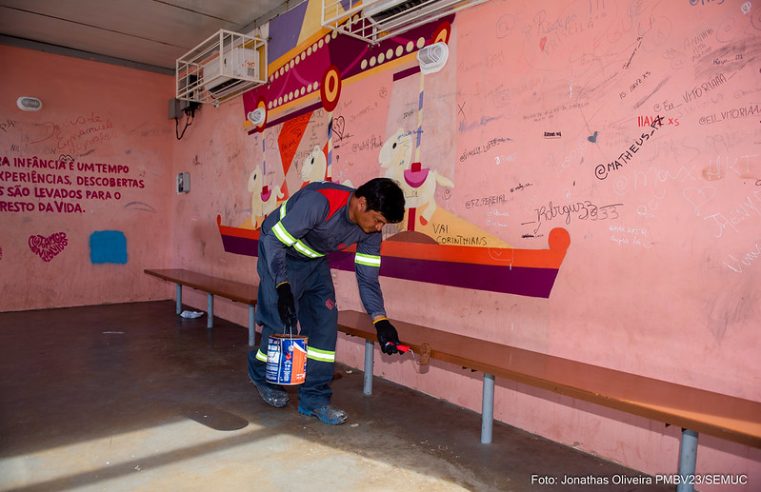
(302, 93)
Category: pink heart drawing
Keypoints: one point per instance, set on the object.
(48, 247)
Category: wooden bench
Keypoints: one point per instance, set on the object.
(694, 410)
(235, 291)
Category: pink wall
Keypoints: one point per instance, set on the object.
(80, 228)
(666, 287)
(218, 154)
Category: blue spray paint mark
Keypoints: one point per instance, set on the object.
(108, 247)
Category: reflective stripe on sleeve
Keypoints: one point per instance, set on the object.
(260, 356)
(321, 355)
(367, 260)
(286, 238)
(283, 235)
(306, 250)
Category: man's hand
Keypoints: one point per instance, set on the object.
(387, 336)
(286, 306)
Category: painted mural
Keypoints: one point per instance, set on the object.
(312, 102)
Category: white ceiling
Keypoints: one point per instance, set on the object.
(152, 33)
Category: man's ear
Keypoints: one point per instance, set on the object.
(363, 203)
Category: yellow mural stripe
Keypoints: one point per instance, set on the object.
(409, 59)
(311, 21)
(295, 104)
(286, 57)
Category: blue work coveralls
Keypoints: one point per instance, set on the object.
(293, 246)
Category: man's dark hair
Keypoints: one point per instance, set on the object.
(383, 195)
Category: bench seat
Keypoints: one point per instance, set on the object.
(694, 410)
(229, 289)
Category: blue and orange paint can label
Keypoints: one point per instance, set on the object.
(286, 359)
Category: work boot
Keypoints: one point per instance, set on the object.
(327, 415)
(272, 395)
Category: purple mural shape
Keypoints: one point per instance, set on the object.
(286, 29)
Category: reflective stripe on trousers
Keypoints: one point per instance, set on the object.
(312, 287)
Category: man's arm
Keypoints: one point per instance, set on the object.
(367, 263)
(367, 266)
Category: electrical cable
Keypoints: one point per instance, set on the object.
(189, 115)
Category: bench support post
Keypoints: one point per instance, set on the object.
(251, 330)
(210, 318)
(688, 453)
(178, 298)
(368, 389)
(487, 409)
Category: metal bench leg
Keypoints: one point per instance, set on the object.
(210, 318)
(487, 409)
(368, 389)
(178, 298)
(251, 329)
(688, 454)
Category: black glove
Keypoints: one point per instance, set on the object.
(387, 336)
(286, 306)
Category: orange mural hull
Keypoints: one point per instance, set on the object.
(529, 272)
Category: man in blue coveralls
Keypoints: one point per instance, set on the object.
(295, 282)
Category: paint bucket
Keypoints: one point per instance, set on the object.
(286, 359)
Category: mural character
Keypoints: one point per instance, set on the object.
(264, 199)
(314, 168)
(418, 184)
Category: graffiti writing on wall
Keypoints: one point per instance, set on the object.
(602, 170)
(79, 135)
(582, 210)
(746, 259)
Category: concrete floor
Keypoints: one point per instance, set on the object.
(132, 397)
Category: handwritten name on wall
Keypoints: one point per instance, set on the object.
(79, 135)
(602, 171)
(34, 184)
(481, 149)
(585, 210)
